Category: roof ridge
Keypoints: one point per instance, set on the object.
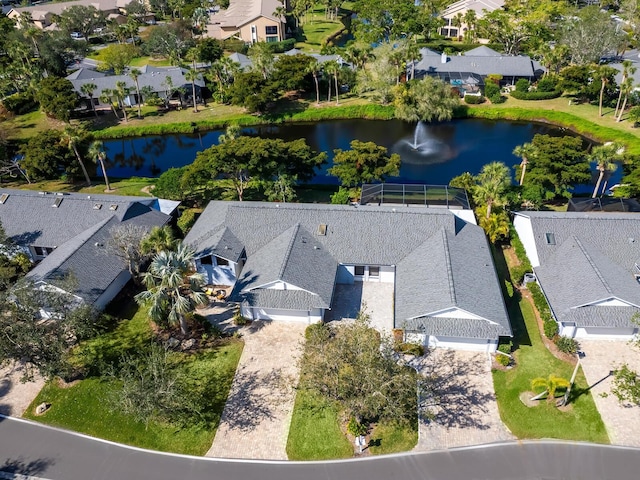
(593, 265)
(447, 258)
(285, 260)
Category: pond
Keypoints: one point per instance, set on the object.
(431, 153)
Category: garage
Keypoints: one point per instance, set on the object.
(605, 333)
(298, 316)
(461, 343)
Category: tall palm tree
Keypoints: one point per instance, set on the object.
(122, 91)
(525, 151)
(88, 89)
(412, 54)
(333, 69)
(397, 59)
(191, 76)
(232, 132)
(135, 73)
(261, 57)
(159, 239)
(97, 153)
(456, 21)
(625, 89)
(605, 157)
(174, 288)
(550, 385)
(71, 137)
(627, 70)
(605, 74)
(493, 181)
(314, 68)
(106, 96)
(471, 19)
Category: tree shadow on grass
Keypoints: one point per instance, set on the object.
(449, 397)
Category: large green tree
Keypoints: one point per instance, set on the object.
(118, 56)
(83, 19)
(57, 97)
(427, 100)
(45, 157)
(606, 157)
(365, 162)
(492, 184)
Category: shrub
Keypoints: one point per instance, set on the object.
(550, 325)
(536, 95)
(517, 273)
(473, 99)
(491, 90)
(341, 197)
(315, 331)
(503, 360)
(238, 319)
(567, 345)
(547, 84)
(20, 103)
(281, 47)
(187, 219)
(410, 349)
(355, 428)
(505, 347)
(550, 329)
(522, 85)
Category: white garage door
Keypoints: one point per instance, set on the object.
(604, 333)
(457, 343)
(281, 315)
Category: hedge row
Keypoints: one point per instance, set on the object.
(535, 95)
(550, 325)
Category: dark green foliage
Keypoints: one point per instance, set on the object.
(550, 325)
(492, 92)
(550, 329)
(45, 158)
(238, 319)
(522, 85)
(536, 95)
(634, 115)
(626, 385)
(366, 162)
(410, 349)
(281, 47)
(290, 72)
(252, 91)
(341, 197)
(187, 219)
(567, 345)
(355, 428)
(473, 99)
(505, 347)
(169, 185)
(57, 97)
(20, 103)
(210, 50)
(548, 83)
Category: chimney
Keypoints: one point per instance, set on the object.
(443, 58)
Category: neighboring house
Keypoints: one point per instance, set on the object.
(66, 233)
(154, 77)
(461, 8)
(42, 14)
(588, 266)
(248, 20)
(472, 68)
(285, 261)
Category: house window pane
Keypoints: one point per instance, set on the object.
(206, 260)
(374, 271)
(272, 39)
(359, 270)
(271, 30)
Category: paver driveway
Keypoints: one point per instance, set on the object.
(468, 414)
(256, 418)
(601, 357)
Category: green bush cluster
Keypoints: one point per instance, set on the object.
(567, 345)
(503, 360)
(522, 85)
(537, 95)
(410, 349)
(506, 347)
(20, 103)
(355, 428)
(281, 47)
(239, 320)
(492, 92)
(473, 99)
(517, 272)
(550, 325)
(187, 219)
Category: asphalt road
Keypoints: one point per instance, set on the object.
(30, 449)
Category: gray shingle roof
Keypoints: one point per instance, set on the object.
(283, 299)
(456, 327)
(222, 243)
(441, 261)
(592, 259)
(508, 66)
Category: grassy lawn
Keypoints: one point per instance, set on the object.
(25, 126)
(130, 186)
(392, 438)
(84, 406)
(316, 28)
(315, 433)
(581, 422)
(136, 62)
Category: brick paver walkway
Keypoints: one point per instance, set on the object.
(256, 418)
(601, 357)
(15, 396)
(468, 414)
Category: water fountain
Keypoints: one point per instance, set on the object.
(422, 147)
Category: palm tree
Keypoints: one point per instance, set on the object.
(397, 58)
(525, 151)
(191, 76)
(97, 153)
(200, 18)
(627, 70)
(626, 88)
(605, 157)
(134, 73)
(88, 89)
(550, 385)
(456, 21)
(471, 19)
(174, 288)
(314, 68)
(333, 69)
(493, 181)
(261, 56)
(605, 73)
(122, 91)
(106, 96)
(159, 239)
(412, 54)
(232, 132)
(71, 137)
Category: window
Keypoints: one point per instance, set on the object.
(359, 270)
(206, 260)
(322, 229)
(271, 30)
(272, 39)
(42, 251)
(374, 271)
(551, 238)
(222, 262)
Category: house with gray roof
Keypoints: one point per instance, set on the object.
(66, 233)
(285, 262)
(588, 266)
(474, 66)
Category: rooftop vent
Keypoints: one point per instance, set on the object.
(3, 198)
(322, 229)
(113, 207)
(551, 238)
(630, 239)
(97, 206)
(57, 202)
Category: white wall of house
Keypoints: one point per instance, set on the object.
(280, 285)
(112, 290)
(456, 343)
(605, 333)
(300, 316)
(525, 232)
(455, 312)
(611, 302)
(347, 274)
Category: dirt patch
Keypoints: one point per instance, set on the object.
(526, 398)
(510, 256)
(63, 384)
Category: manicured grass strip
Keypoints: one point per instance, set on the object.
(581, 423)
(317, 28)
(392, 438)
(130, 186)
(315, 433)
